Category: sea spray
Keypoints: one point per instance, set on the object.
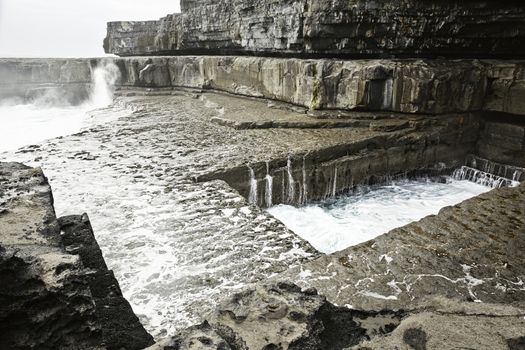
(52, 113)
(104, 77)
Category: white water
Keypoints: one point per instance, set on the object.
(26, 124)
(252, 198)
(291, 181)
(348, 220)
(484, 178)
(269, 186)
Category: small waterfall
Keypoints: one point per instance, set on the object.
(252, 198)
(502, 170)
(305, 184)
(516, 176)
(269, 186)
(291, 181)
(483, 178)
(334, 185)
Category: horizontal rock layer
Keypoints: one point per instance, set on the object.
(356, 28)
(428, 146)
(407, 86)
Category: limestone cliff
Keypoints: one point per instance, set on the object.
(349, 28)
(407, 86)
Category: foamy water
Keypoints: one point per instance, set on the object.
(339, 223)
(30, 123)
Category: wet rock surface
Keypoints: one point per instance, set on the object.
(282, 316)
(359, 28)
(468, 252)
(178, 245)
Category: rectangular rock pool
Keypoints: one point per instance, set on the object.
(346, 220)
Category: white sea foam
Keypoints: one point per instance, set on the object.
(25, 124)
(349, 220)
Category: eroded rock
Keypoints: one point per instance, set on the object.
(56, 290)
(356, 28)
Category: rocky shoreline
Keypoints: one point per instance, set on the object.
(57, 291)
(234, 106)
(71, 270)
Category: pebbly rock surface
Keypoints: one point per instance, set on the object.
(356, 28)
(53, 286)
(282, 316)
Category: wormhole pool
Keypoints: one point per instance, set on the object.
(350, 219)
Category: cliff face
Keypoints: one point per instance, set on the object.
(34, 78)
(344, 28)
(407, 86)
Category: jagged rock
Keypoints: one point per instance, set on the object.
(121, 329)
(56, 290)
(45, 297)
(355, 28)
(200, 337)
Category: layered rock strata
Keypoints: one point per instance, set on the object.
(55, 289)
(52, 81)
(406, 86)
(415, 147)
(356, 28)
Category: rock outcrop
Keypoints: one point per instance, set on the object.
(407, 86)
(282, 316)
(56, 291)
(355, 28)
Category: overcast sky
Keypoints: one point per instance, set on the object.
(68, 28)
